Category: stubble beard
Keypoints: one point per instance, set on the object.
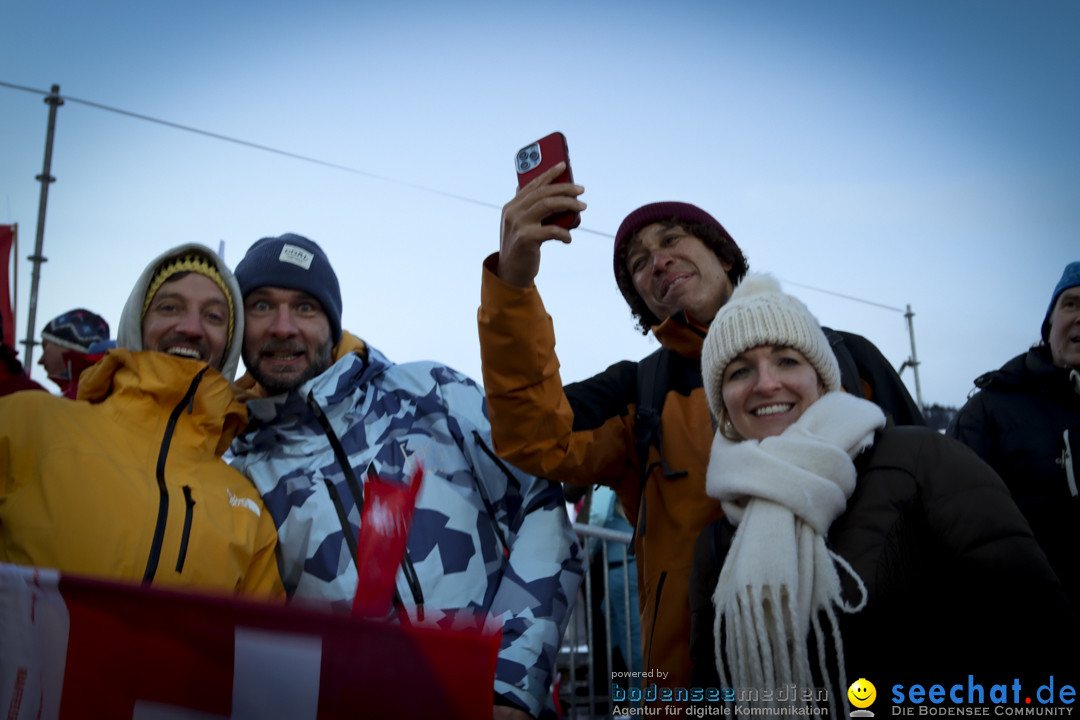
(274, 385)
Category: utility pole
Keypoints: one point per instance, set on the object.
(913, 361)
(53, 100)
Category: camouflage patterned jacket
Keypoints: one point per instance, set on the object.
(485, 535)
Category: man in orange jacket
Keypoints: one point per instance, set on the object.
(676, 266)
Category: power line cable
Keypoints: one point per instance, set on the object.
(346, 168)
(256, 146)
(846, 297)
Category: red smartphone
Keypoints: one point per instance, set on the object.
(537, 158)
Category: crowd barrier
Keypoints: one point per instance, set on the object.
(584, 681)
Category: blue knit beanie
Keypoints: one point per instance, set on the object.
(295, 263)
(1069, 278)
(76, 330)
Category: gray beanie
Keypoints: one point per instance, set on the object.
(759, 313)
(295, 263)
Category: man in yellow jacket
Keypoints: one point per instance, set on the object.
(128, 481)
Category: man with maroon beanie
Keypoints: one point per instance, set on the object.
(676, 266)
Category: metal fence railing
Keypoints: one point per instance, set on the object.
(588, 655)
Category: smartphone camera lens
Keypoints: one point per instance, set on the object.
(528, 158)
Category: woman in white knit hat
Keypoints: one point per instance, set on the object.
(849, 548)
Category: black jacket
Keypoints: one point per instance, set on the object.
(1017, 423)
(956, 584)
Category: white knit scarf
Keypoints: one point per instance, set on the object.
(783, 493)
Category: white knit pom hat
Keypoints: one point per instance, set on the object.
(759, 313)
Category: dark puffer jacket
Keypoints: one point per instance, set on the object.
(956, 584)
(586, 433)
(1025, 422)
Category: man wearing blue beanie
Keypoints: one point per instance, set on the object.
(327, 410)
(1025, 422)
(289, 268)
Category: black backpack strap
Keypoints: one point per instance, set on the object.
(652, 380)
(653, 374)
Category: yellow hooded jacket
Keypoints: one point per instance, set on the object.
(128, 482)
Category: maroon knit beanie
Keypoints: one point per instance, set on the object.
(659, 212)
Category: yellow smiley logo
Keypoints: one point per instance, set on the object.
(862, 693)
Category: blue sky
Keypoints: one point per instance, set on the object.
(920, 153)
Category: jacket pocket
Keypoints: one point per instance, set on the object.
(189, 512)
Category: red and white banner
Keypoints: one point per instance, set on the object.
(7, 239)
(73, 648)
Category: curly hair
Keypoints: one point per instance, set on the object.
(719, 242)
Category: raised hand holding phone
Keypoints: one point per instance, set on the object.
(533, 160)
(545, 208)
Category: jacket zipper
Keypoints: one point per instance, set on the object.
(1067, 462)
(163, 491)
(357, 492)
(483, 494)
(189, 511)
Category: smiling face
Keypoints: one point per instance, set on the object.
(767, 388)
(673, 270)
(188, 317)
(862, 693)
(1064, 337)
(286, 338)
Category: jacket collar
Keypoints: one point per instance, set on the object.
(356, 364)
(681, 334)
(247, 389)
(1031, 369)
(154, 383)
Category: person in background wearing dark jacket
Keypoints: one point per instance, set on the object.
(13, 377)
(1025, 422)
(851, 548)
(676, 266)
(65, 347)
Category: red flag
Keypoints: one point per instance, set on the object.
(384, 532)
(7, 239)
(75, 648)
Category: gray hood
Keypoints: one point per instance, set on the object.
(129, 334)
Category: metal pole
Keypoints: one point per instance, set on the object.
(914, 362)
(53, 100)
(607, 621)
(590, 633)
